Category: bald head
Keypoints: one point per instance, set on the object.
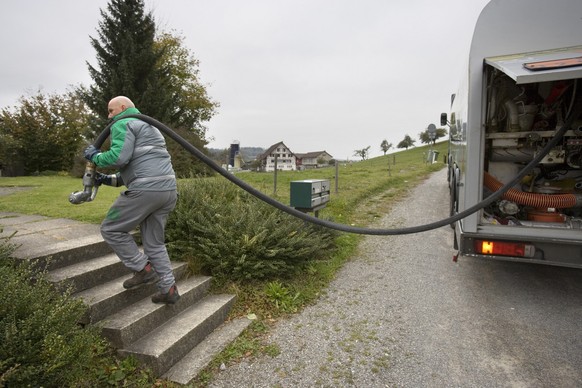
(118, 104)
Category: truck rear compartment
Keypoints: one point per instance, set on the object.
(539, 219)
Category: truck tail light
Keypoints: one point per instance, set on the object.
(504, 248)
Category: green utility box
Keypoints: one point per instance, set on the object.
(309, 194)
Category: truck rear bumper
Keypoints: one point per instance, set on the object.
(532, 245)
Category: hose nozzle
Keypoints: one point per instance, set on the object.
(90, 189)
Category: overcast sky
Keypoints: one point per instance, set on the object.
(318, 75)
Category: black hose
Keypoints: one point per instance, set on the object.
(103, 135)
(342, 227)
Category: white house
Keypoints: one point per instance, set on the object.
(286, 160)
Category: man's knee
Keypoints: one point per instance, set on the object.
(112, 235)
(104, 231)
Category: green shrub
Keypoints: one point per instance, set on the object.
(223, 231)
(41, 343)
(42, 346)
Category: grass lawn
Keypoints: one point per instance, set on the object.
(366, 191)
(373, 182)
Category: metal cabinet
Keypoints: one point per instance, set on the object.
(310, 194)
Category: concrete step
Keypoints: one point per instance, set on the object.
(59, 242)
(185, 370)
(159, 335)
(64, 253)
(110, 297)
(135, 321)
(166, 345)
(89, 273)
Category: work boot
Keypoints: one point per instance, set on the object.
(146, 276)
(170, 297)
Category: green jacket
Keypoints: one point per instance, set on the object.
(138, 149)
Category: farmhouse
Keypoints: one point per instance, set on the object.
(286, 160)
(313, 160)
(289, 161)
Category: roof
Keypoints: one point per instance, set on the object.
(271, 149)
(313, 154)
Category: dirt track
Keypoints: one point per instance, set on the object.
(402, 314)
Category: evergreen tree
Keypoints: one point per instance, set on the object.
(126, 60)
(158, 73)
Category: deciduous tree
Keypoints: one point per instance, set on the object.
(385, 146)
(188, 105)
(363, 153)
(406, 142)
(425, 137)
(43, 133)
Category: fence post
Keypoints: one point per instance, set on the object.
(275, 177)
(336, 176)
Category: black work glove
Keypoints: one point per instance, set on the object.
(102, 179)
(90, 152)
(108, 180)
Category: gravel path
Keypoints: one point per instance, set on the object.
(402, 314)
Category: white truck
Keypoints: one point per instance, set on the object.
(522, 85)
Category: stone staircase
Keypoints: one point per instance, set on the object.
(176, 341)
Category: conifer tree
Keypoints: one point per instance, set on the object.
(126, 59)
(157, 72)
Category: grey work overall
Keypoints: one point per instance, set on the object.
(149, 210)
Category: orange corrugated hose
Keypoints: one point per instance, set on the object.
(558, 201)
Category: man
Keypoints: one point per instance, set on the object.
(139, 151)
